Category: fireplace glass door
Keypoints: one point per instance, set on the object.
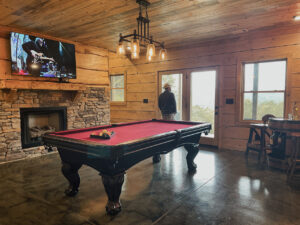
(35, 122)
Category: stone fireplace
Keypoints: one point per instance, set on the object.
(35, 122)
(38, 111)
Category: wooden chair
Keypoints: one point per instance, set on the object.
(258, 139)
(293, 171)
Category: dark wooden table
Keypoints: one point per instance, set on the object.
(258, 142)
(290, 129)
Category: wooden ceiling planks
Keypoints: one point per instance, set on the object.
(176, 22)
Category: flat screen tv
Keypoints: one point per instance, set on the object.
(41, 57)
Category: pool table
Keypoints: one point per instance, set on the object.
(130, 144)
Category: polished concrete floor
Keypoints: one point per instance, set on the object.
(225, 190)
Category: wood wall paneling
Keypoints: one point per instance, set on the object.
(5, 49)
(91, 64)
(266, 44)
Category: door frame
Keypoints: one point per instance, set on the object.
(186, 98)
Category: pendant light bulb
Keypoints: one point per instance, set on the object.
(151, 50)
(163, 54)
(135, 55)
(135, 45)
(120, 48)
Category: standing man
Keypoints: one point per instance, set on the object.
(167, 103)
(34, 50)
(35, 55)
(167, 106)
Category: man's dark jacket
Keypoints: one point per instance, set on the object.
(167, 103)
(27, 47)
(31, 45)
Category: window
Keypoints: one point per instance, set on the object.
(264, 89)
(117, 84)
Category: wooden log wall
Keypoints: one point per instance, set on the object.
(91, 63)
(227, 56)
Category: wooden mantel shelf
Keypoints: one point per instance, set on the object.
(39, 85)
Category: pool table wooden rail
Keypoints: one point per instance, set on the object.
(114, 152)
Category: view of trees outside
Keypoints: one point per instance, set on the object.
(175, 80)
(203, 89)
(268, 103)
(117, 88)
(264, 86)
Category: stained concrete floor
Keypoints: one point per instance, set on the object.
(225, 190)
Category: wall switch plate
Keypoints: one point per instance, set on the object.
(229, 101)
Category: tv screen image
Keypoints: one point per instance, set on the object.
(31, 55)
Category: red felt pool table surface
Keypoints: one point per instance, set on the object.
(125, 133)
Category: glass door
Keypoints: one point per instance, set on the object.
(195, 91)
(202, 105)
(175, 80)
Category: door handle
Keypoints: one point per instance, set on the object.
(216, 110)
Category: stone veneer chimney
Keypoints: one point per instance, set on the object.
(91, 108)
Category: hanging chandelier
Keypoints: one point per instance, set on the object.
(141, 38)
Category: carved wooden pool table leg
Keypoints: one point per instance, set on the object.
(192, 150)
(113, 187)
(156, 158)
(70, 171)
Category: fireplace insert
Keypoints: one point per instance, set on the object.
(35, 122)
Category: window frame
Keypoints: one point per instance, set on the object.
(125, 89)
(240, 87)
